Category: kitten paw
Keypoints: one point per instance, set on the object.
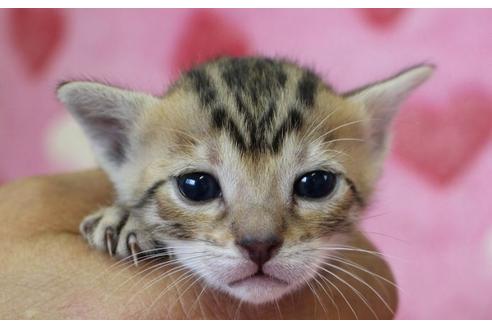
(115, 231)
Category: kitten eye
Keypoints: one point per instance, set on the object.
(198, 186)
(315, 184)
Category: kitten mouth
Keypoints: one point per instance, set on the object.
(259, 278)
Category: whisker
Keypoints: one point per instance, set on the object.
(150, 263)
(330, 296)
(197, 301)
(384, 235)
(350, 123)
(336, 288)
(153, 257)
(278, 309)
(360, 267)
(312, 131)
(357, 292)
(156, 267)
(181, 294)
(123, 261)
(363, 282)
(323, 151)
(187, 275)
(370, 217)
(315, 294)
(155, 280)
(342, 139)
(198, 278)
(339, 127)
(335, 247)
(180, 267)
(236, 313)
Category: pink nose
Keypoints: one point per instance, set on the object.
(260, 251)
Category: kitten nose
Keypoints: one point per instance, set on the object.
(260, 251)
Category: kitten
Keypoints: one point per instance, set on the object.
(247, 170)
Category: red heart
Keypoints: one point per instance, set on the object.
(440, 143)
(208, 35)
(36, 34)
(382, 17)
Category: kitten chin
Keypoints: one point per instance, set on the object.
(259, 288)
(285, 273)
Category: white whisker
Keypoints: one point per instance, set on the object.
(357, 292)
(315, 272)
(356, 277)
(357, 266)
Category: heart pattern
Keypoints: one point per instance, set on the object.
(443, 145)
(439, 143)
(36, 35)
(382, 18)
(208, 35)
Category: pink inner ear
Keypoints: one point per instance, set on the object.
(439, 143)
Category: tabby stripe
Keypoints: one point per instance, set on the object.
(178, 230)
(292, 122)
(160, 248)
(203, 86)
(122, 222)
(306, 89)
(244, 110)
(221, 120)
(89, 227)
(266, 119)
(149, 194)
(356, 192)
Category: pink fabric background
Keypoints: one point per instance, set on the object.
(432, 213)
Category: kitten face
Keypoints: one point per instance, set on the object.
(256, 126)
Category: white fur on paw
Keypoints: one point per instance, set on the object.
(115, 231)
(101, 229)
(133, 234)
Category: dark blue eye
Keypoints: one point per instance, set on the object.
(315, 184)
(198, 187)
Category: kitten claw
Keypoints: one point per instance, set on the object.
(132, 245)
(109, 241)
(113, 231)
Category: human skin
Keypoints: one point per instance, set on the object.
(48, 271)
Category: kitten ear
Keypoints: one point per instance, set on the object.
(106, 114)
(382, 99)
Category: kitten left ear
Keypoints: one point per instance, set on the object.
(382, 99)
(107, 115)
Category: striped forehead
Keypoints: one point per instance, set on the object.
(256, 102)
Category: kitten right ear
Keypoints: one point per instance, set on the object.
(106, 114)
(382, 99)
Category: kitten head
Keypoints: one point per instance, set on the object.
(251, 170)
